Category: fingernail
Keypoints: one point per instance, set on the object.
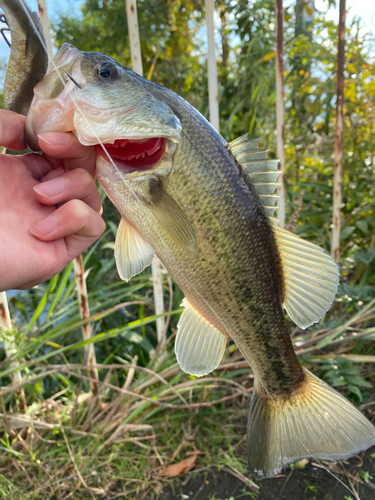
(45, 227)
(55, 138)
(50, 188)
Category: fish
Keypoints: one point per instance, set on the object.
(28, 60)
(206, 208)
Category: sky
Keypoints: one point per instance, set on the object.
(363, 8)
(54, 7)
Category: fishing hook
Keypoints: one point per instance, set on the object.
(3, 20)
(70, 76)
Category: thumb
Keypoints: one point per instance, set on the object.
(74, 221)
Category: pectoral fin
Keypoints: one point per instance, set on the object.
(199, 345)
(132, 252)
(172, 218)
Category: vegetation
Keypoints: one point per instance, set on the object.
(148, 413)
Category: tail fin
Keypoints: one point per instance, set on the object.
(315, 422)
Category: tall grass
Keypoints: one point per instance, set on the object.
(69, 446)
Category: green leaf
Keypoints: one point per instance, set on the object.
(353, 379)
(366, 476)
(338, 381)
(362, 225)
(351, 370)
(346, 232)
(61, 288)
(10, 450)
(355, 390)
(332, 373)
(43, 301)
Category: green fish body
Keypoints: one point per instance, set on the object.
(246, 270)
(236, 281)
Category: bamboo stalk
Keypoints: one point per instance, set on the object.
(212, 66)
(136, 57)
(280, 110)
(134, 40)
(90, 358)
(10, 349)
(158, 298)
(337, 177)
(43, 14)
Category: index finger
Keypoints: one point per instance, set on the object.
(65, 146)
(12, 130)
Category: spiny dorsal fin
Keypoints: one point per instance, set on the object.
(243, 141)
(262, 172)
(199, 345)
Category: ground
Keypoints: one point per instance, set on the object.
(310, 483)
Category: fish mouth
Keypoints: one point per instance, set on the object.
(135, 154)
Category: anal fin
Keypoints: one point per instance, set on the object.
(199, 345)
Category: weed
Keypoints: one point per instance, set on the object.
(366, 476)
(310, 488)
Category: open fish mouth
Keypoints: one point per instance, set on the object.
(136, 154)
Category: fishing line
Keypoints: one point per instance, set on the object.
(123, 178)
(330, 472)
(356, 495)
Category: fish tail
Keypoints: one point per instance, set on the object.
(315, 421)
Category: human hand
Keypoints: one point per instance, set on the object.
(37, 239)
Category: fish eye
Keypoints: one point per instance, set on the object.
(106, 71)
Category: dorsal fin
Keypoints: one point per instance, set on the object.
(261, 172)
(311, 276)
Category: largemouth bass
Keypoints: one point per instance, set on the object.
(28, 60)
(206, 207)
